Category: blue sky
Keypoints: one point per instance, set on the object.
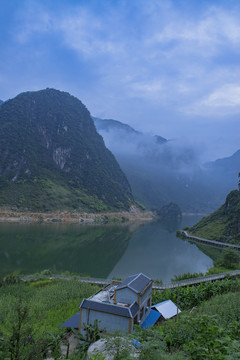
(165, 67)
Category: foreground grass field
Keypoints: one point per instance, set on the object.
(208, 327)
(34, 311)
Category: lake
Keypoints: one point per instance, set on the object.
(101, 251)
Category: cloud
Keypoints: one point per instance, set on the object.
(130, 61)
(214, 28)
(222, 101)
(149, 89)
(226, 96)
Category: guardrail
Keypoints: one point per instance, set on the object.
(195, 281)
(209, 242)
(156, 286)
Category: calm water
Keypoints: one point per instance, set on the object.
(100, 251)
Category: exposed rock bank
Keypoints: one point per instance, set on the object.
(18, 216)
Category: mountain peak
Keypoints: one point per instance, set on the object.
(49, 144)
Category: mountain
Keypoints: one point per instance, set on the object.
(162, 171)
(225, 171)
(110, 124)
(51, 156)
(224, 224)
(228, 164)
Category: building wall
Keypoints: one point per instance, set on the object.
(110, 322)
(145, 308)
(144, 298)
(126, 296)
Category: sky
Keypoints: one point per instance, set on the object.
(164, 67)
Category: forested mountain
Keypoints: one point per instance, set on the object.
(161, 171)
(223, 224)
(51, 156)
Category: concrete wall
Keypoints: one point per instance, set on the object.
(110, 322)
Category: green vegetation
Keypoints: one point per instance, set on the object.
(35, 311)
(191, 296)
(187, 276)
(222, 225)
(207, 328)
(53, 158)
(230, 259)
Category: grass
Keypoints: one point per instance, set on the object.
(209, 230)
(51, 302)
(210, 329)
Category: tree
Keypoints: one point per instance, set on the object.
(17, 342)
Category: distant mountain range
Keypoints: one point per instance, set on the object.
(51, 157)
(162, 171)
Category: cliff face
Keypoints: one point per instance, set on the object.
(49, 148)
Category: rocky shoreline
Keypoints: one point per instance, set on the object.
(74, 217)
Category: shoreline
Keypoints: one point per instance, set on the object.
(74, 217)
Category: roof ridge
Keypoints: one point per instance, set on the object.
(135, 278)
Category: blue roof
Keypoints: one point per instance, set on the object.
(73, 322)
(137, 283)
(151, 319)
(134, 308)
(110, 308)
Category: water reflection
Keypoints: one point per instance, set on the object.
(92, 250)
(100, 251)
(157, 252)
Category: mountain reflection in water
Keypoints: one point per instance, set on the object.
(100, 251)
(157, 252)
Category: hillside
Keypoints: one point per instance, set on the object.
(51, 157)
(223, 224)
(161, 171)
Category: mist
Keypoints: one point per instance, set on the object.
(161, 171)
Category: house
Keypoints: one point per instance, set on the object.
(116, 307)
(161, 311)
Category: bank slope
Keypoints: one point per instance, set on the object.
(224, 224)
